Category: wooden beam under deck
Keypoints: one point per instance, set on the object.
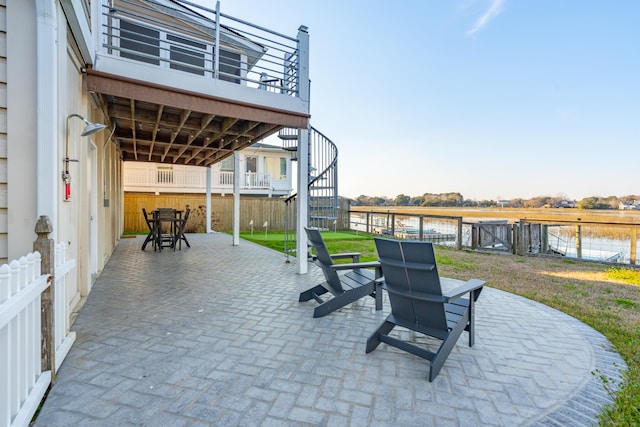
(166, 125)
(109, 84)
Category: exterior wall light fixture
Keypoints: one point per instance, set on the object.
(89, 129)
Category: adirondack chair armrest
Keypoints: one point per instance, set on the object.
(420, 296)
(410, 265)
(470, 286)
(354, 265)
(355, 256)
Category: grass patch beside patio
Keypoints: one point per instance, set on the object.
(605, 297)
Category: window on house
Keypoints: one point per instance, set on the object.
(251, 164)
(276, 167)
(139, 43)
(226, 164)
(186, 55)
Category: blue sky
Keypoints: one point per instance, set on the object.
(489, 98)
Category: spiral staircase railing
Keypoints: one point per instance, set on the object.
(323, 185)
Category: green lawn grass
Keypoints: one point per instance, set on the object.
(604, 297)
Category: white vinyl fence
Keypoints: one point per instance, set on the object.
(22, 382)
(63, 338)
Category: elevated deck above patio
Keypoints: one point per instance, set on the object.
(189, 85)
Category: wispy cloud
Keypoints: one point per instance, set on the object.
(494, 10)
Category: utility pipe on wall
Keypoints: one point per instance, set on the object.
(47, 112)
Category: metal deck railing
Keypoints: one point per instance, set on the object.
(323, 186)
(187, 37)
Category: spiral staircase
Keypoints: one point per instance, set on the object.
(323, 185)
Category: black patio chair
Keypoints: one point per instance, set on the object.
(346, 288)
(180, 229)
(151, 237)
(166, 223)
(418, 304)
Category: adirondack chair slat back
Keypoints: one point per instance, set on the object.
(323, 259)
(409, 268)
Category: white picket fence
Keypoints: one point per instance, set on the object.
(22, 382)
(63, 338)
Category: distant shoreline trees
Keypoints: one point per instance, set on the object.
(457, 200)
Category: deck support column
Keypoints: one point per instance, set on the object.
(302, 205)
(236, 198)
(208, 202)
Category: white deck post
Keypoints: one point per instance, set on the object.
(302, 205)
(236, 198)
(208, 204)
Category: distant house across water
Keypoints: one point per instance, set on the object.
(566, 204)
(627, 206)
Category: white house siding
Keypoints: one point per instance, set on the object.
(3, 132)
(96, 194)
(73, 216)
(20, 126)
(18, 149)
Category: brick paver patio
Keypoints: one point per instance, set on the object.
(214, 335)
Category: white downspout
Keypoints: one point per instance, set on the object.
(236, 198)
(47, 179)
(302, 205)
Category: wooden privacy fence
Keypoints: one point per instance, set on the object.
(30, 339)
(256, 209)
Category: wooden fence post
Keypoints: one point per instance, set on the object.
(474, 236)
(579, 241)
(46, 247)
(634, 245)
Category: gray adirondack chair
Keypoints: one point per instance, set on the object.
(358, 281)
(418, 303)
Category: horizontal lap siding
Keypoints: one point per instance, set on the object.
(3, 133)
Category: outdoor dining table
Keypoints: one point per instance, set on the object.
(165, 228)
(169, 220)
